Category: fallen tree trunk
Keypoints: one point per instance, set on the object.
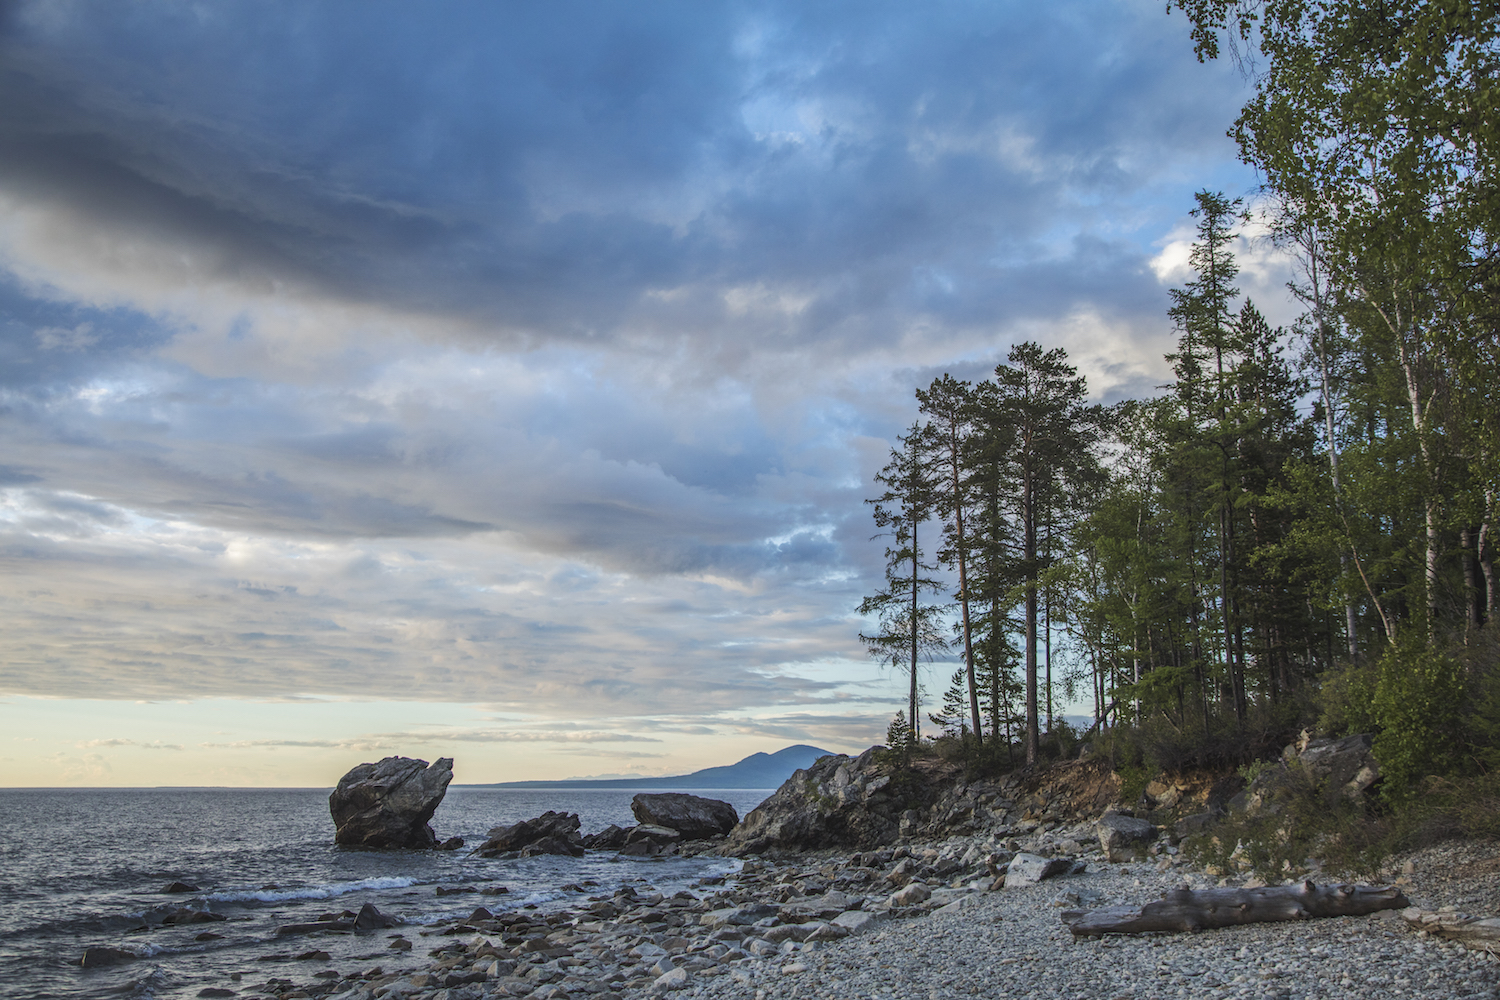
(1197, 909)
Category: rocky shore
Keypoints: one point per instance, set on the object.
(920, 920)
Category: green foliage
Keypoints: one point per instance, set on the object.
(900, 743)
(1417, 705)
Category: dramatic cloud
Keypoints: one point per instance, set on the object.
(540, 356)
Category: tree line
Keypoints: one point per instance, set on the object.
(1296, 502)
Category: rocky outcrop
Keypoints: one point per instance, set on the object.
(1345, 768)
(693, 817)
(1337, 769)
(388, 804)
(549, 833)
(839, 801)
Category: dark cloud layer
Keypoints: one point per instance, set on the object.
(538, 354)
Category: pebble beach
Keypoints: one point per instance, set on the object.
(917, 922)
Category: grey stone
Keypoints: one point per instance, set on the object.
(1029, 869)
(388, 804)
(1124, 837)
(558, 830)
(692, 816)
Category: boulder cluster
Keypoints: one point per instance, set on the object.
(667, 821)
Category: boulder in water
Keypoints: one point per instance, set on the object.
(550, 826)
(98, 958)
(388, 804)
(172, 888)
(694, 817)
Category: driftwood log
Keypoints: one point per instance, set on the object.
(1198, 909)
(1475, 933)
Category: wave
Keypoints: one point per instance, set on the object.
(328, 891)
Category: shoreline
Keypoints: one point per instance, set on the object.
(823, 924)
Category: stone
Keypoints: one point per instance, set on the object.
(549, 825)
(611, 838)
(553, 845)
(676, 979)
(838, 802)
(1124, 837)
(855, 921)
(215, 991)
(388, 804)
(1345, 767)
(738, 916)
(98, 958)
(911, 894)
(659, 835)
(371, 919)
(694, 817)
(451, 844)
(172, 888)
(1029, 869)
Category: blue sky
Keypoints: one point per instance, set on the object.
(504, 381)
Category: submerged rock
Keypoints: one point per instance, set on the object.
(98, 958)
(694, 817)
(388, 804)
(172, 888)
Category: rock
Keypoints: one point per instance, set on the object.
(98, 958)
(172, 888)
(855, 921)
(694, 817)
(553, 845)
(1124, 837)
(1029, 869)
(561, 826)
(838, 802)
(911, 894)
(1345, 767)
(370, 919)
(388, 804)
(674, 980)
(737, 916)
(451, 844)
(215, 991)
(611, 838)
(1189, 825)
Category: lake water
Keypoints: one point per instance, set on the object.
(81, 868)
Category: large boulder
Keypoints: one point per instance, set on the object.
(1122, 837)
(838, 802)
(388, 804)
(1345, 768)
(694, 817)
(549, 833)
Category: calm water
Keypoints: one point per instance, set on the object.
(81, 868)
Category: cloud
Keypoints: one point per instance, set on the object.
(538, 356)
(143, 745)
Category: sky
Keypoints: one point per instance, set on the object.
(505, 381)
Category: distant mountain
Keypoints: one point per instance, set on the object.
(759, 770)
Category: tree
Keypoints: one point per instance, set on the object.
(908, 629)
(1039, 400)
(949, 404)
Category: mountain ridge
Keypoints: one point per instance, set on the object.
(759, 770)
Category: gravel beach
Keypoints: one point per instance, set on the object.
(824, 926)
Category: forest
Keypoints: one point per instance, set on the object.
(1298, 532)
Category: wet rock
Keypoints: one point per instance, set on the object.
(451, 844)
(694, 817)
(553, 845)
(388, 804)
(611, 838)
(370, 919)
(172, 888)
(98, 958)
(548, 826)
